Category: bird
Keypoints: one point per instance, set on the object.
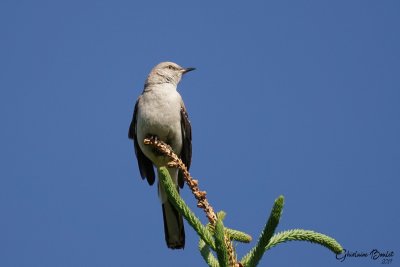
(159, 112)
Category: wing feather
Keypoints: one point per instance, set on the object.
(145, 165)
(186, 153)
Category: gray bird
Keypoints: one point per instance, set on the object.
(160, 112)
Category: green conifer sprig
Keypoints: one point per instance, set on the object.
(216, 237)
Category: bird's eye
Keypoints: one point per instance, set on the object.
(170, 67)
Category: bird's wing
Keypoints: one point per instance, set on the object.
(145, 164)
(186, 153)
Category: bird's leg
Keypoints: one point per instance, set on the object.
(152, 137)
(155, 139)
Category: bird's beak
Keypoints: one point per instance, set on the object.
(187, 70)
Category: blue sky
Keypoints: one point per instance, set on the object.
(299, 98)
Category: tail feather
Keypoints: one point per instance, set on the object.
(173, 226)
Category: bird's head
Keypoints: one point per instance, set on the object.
(167, 72)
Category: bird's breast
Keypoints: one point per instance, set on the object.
(159, 115)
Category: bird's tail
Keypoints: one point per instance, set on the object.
(173, 226)
(173, 221)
